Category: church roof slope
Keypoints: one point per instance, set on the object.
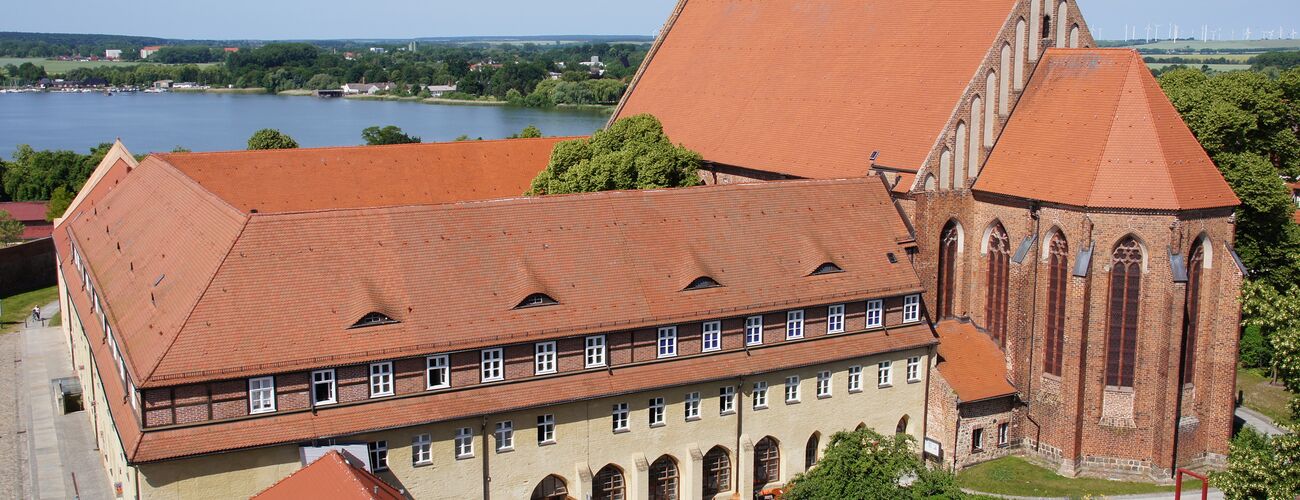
(288, 180)
(1094, 129)
(812, 88)
(331, 476)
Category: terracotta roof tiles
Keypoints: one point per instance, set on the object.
(25, 211)
(1094, 129)
(334, 477)
(971, 363)
(811, 88)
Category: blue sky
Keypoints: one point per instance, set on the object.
(297, 19)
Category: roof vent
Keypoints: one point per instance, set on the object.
(373, 319)
(537, 300)
(827, 268)
(703, 282)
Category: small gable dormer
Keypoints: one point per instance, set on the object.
(827, 268)
(373, 319)
(702, 283)
(537, 300)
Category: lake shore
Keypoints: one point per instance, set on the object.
(218, 90)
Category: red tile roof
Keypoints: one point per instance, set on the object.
(289, 180)
(810, 89)
(1297, 216)
(338, 421)
(332, 477)
(971, 363)
(1094, 129)
(25, 211)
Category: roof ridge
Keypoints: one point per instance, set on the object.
(645, 63)
(1110, 134)
(1136, 69)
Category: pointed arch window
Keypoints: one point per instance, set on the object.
(536, 300)
(552, 487)
(1057, 278)
(1195, 266)
(827, 268)
(948, 243)
(608, 484)
(717, 472)
(767, 462)
(1122, 321)
(810, 451)
(703, 283)
(663, 479)
(373, 319)
(999, 263)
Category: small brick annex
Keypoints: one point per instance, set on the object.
(1050, 147)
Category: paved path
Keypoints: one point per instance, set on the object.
(56, 448)
(1259, 422)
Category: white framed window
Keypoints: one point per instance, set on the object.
(436, 372)
(875, 313)
(885, 374)
(381, 379)
(595, 351)
(855, 379)
(261, 395)
(491, 365)
(464, 442)
(656, 412)
(422, 449)
(545, 429)
(1003, 434)
(505, 435)
(835, 319)
(323, 388)
(911, 308)
(794, 325)
(727, 400)
(667, 341)
(760, 395)
(544, 358)
(378, 455)
(792, 389)
(619, 417)
(692, 406)
(754, 330)
(712, 336)
(824, 384)
(914, 369)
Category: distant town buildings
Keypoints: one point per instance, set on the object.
(145, 52)
(367, 88)
(439, 90)
(113, 54)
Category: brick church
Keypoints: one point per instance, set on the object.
(1074, 240)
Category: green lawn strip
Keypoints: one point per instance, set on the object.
(19, 307)
(55, 320)
(1262, 395)
(1017, 477)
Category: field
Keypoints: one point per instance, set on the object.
(1220, 45)
(1235, 58)
(58, 67)
(1215, 67)
(1015, 476)
(1263, 396)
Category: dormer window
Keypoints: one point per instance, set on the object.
(703, 282)
(373, 319)
(537, 300)
(827, 268)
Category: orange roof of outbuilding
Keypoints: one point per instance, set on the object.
(288, 180)
(1094, 129)
(971, 363)
(331, 476)
(812, 88)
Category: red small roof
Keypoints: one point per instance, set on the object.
(331, 476)
(26, 211)
(1094, 129)
(971, 363)
(151, 47)
(1297, 216)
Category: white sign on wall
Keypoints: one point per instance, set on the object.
(933, 448)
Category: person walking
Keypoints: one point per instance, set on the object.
(36, 314)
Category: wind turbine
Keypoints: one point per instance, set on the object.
(1148, 33)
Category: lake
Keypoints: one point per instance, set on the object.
(214, 122)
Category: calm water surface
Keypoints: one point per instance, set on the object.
(213, 122)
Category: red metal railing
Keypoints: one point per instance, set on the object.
(1178, 485)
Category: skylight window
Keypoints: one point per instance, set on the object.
(373, 319)
(827, 268)
(537, 300)
(702, 283)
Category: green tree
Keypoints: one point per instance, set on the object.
(11, 231)
(865, 464)
(1262, 467)
(269, 138)
(322, 81)
(633, 153)
(390, 134)
(529, 132)
(33, 174)
(59, 202)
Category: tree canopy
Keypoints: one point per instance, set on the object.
(865, 464)
(269, 138)
(529, 132)
(10, 230)
(390, 134)
(59, 202)
(633, 153)
(34, 175)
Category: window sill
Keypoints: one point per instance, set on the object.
(622, 431)
(490, 380)
(830, 332)
(465, 457)
(913, 380)
(418, 465)
(548, 442)
(666, 356)
(787, 337)
(715, 349)
(753, 344)
(547, 372)
(727, 413)
(823, 396)
(602, 365)
(692, 419)
(261, 412)
(380, 395)
(884, 386)
(658, 425)
(325, 403)
(855, 391)
(763, 407)
(438, 387)
(792, 401)
(977, 450)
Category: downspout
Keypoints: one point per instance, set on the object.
(925, 413)
(740, 421)
(487, 477)
(1034, 213)
(956, 434)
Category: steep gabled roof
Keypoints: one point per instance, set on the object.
(289, 180)
(334, 477)
(1093, 129)
(971, 363)
(811, 88)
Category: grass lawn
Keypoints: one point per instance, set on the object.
(18, 307)
(1017, 477)
(1262, 396)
